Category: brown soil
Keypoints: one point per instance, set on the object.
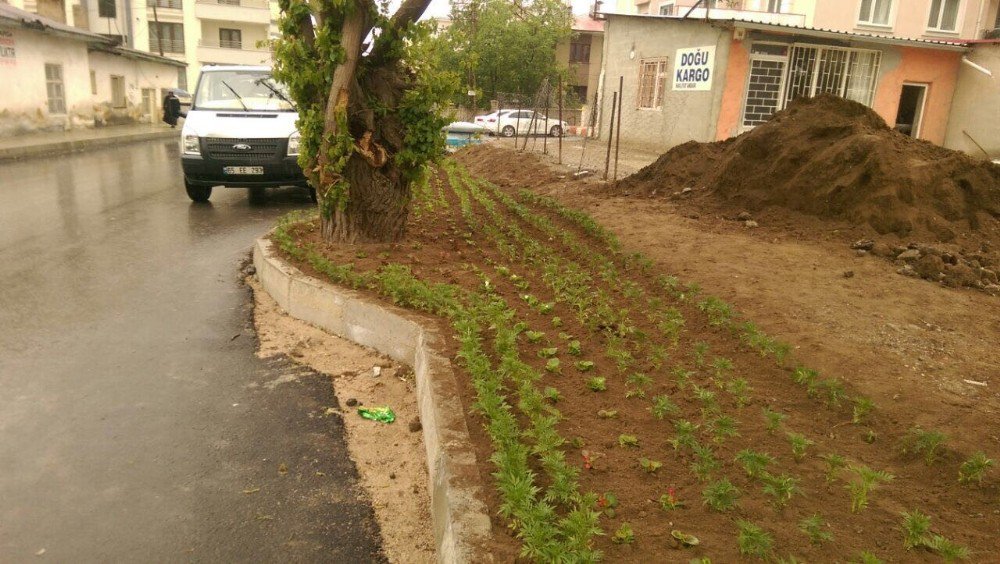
(835, 159)
(795, 292)
(390, 458)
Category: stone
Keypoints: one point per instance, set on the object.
(882, 250)
(907, 255)
(415, 425)
(848, 274)
(863, 244)
(908, 270)
(744, 216)
(750, 223)
(861, 253)
(351, 402)
(687, 190)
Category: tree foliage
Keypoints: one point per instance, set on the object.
(502, 46)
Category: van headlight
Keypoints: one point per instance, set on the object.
(191, 145)
(293, 144)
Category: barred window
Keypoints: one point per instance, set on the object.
(652, 83)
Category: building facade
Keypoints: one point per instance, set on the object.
(196, 32)
(66, 78)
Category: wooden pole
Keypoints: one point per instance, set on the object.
(618, 128)
(611, 134)
(560, 120)
(545, 140)
(517, 120)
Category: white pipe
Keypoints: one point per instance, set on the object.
(979, 68)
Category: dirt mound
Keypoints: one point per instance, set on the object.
(835, 159)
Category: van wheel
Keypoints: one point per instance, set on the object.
(198, 193)
(256, 195)
(507, 131)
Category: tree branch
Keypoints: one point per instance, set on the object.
(409, 12)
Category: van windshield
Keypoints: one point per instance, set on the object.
(242, 91)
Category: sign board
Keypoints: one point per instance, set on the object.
(8, 48)
(694, 68)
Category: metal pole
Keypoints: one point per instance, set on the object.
(618, 128)
(545, 140)
(517, 120)
(611, 134)
(560, 120)
(590, 125)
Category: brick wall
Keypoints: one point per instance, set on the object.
(763, 92)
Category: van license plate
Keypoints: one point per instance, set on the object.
(243, 170)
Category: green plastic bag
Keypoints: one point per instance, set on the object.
(380, 414)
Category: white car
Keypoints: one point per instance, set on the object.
(520, 122)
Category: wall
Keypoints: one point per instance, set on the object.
(684, 116)
(976, 105)
(909, 64)
(138, 75)
(24, 108)
(731, 110)
(909, 18)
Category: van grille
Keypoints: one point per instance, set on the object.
(261, 150)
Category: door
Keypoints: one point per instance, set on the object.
(910, 115)
(149, 104)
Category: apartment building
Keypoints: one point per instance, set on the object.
(197, 32)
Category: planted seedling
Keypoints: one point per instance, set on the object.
(685, 434)
(597, 384)
(628, 441)
(553, 365)
(974, 468)
(947, 550)
(781, 488)
(548, 352)
(722, 428)
(608, 503)
(662, 406)
(926, 442)
(546, 308)
(669, 500)
(834, 390)
(722, 367)
(862, 407)
(607, 413)
(774, 420)
(624, 535)
(719, 312)
(740, 390)
(867, 481)
(700, 348)
(753, 540)
(721, 495)
(649, 465)
(551, 394)
(834, 463)
(682, 376)
(557, 321)
(577, 442)
(574, 348)
(707, 399)
(799, 445)
(534, 336)
(584, 365)
(565, 336)
(806, 377)
(915, 527)
(866, 557)
(755, 463)
(815, 528)
(705, 462)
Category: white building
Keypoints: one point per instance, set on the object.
(197, 32)
(61, 77)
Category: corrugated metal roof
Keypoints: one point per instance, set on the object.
(960, 45)
(39, 23)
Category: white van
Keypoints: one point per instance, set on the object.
(240, 133)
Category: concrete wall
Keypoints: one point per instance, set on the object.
(684, 116)
(138, 75)
(24, 105)
(938, 69)
(976, 105)
(908, 19)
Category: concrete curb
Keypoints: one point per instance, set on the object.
(72, 146)
(459, 515)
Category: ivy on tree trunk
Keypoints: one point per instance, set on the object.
(369, 102)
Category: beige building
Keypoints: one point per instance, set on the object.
(582, 55)
(63, 77)
(197, 32)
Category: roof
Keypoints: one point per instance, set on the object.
(29, 20)
(137, 54)
(961, 45)
(587, 23)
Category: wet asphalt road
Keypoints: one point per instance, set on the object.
(136, 424)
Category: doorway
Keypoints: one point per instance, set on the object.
(910, 116)
(149, 104)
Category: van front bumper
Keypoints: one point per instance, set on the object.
(201, 171)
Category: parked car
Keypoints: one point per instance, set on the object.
(240, 133)
(520, 122)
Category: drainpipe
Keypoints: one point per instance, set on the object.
(129, 26)
(979, 68)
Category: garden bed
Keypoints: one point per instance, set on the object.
(601, 389)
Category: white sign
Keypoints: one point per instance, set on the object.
(8, 48)
(694, 68)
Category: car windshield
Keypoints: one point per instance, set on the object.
(239, 90)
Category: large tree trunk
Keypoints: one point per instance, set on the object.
(376, 210)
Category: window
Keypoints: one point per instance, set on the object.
(652, 83)
(579, 51)
(117, 91)
(668, 9)
(168, 36)
(944, 15)
(848, 73)
(54, 89)
(93, 83)
(875, 12)
(107, 9)
(230, 38)
(774, 6)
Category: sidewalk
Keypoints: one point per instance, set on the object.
(54, 143)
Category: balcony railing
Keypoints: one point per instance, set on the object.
(169, 4)
(237, 3)
(168, 45)
(228, 44)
